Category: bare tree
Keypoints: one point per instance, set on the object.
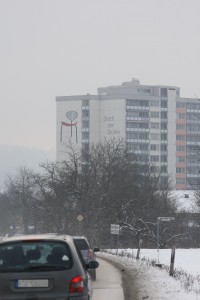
(117, 189)
(105, 184)
(20, 192)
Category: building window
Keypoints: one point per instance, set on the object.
(180, 104)
(180, 148)
(180, 180)
(180, 116)
(180, 159)
(85, 148)
(137, 136)
(193, 170)
(180, 126)
(154, 147)
(85, 114)
(163, 147)
(163, 169)
(85, 124)
(163, 115)
(154, 158)
(193, 138)
(154, 114)
(137, 147)
(137, 114)
(85, 102)
(137, 125)
(163, 158)
(193, 116)
(180, 137)
(144, 103)
(163, 181)
(85, 135)
(164, 104)
(194, 106)
(163, 92)
(191, 127)
(164, 126)
(143, 158)
(154, 125)
(154, 136)
(180, 170)
(163, 136)
(192, 159)
(154, 103)
(144, 91)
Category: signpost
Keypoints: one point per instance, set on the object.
(80, 219)
(115, 229)
(161, 219)
(166, 219)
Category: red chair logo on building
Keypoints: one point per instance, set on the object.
(70, 115)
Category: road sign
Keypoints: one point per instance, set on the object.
(80, 218)
(163, 219)
(166, 218)
(114, 229)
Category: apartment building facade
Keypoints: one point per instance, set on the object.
(154, 121)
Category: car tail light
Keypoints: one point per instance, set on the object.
(90, 254)
(76, 285)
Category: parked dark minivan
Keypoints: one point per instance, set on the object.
(48, 267)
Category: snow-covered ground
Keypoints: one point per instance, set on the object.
(155, 283)
(185, 259)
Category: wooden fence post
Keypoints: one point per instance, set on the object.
(138, 250)
(171, 270)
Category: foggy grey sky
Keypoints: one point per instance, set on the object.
(63, 47)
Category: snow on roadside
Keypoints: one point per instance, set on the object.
(154, 283)
(185, 259)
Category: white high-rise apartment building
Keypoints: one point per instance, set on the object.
(154, 121)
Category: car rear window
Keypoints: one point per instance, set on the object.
(26, 256)
(82, 244)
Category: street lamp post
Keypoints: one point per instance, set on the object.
(161, 219)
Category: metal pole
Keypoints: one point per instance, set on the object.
(158, 219)
(80, 228)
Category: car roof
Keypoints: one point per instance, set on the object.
(30, 237)
(79, 237)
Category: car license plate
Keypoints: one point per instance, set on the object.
(32, 283)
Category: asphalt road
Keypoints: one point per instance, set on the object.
(108, 285)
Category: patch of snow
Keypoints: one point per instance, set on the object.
(155, 283)
(185, 200)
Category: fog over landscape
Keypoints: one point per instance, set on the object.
(51, 48)
(12, 157)
(104, 76)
